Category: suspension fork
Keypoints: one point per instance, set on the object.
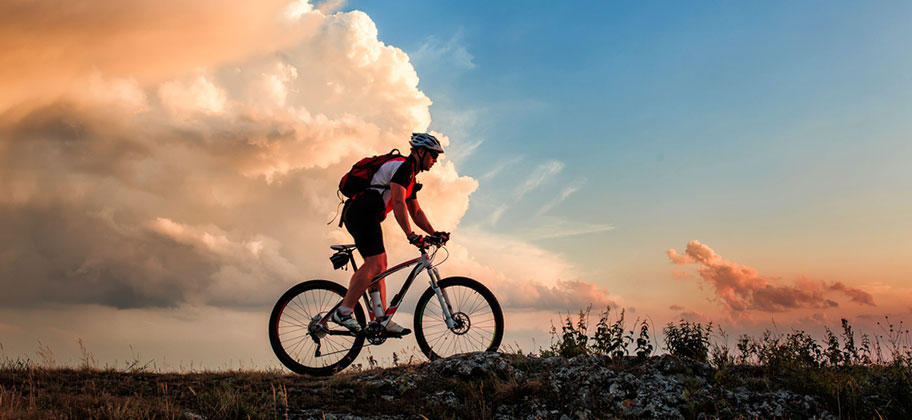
(442, 297)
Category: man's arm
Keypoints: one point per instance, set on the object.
(397, 197)
(418, 216)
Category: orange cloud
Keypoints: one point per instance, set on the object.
(210, 183)
(742, 288)
(46, 46)
(855, 295)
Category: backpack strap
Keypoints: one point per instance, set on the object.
(344, 209)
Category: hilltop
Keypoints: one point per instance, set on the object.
(480, 385)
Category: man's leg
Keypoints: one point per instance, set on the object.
(372, 266)
(380, 286)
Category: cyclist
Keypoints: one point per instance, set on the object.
(393, 188)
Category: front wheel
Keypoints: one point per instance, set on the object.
(301, 341)
(478, 319)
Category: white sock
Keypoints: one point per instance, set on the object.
(343, 311)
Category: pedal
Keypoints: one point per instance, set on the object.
(390, 334)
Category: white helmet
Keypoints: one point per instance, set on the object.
(426, 141)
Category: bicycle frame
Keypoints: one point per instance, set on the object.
(424, 262)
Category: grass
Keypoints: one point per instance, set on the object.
(855, 376)
(28, 390)
(44, 389)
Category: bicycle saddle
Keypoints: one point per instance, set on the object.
(343, 247)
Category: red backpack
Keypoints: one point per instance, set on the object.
(359, 177)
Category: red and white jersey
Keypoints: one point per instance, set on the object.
(398, 171)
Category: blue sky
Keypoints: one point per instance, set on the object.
(774, 131)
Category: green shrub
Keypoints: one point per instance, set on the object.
(720, 355)
(644, 345)
(796, 350)
(573, 340)
(610, 339)
(688, 340)
(833, 354)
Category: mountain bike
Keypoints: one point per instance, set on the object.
(454, 315)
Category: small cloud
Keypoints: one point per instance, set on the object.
(451, 52)
(550, 283)
(495, 215)
(563, 295)
(678, 258)
(500, 168)
(463, 150)
(560, 228)
(565, 192)
(537, 177)
(693, 316)
(741, 288)
(533, 181)
(815, 319)
(856, 295)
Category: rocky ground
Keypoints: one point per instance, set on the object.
(472, 386)
(491, 385)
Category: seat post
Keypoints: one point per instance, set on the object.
(351, 258)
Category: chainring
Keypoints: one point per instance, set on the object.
(373, 332)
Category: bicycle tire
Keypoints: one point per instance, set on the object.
(482, 319)
(291, 339)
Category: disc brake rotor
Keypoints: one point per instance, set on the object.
(463, 323)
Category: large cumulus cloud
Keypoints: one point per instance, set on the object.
(210, 186)
(156, 162)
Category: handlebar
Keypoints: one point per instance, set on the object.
(431, 240)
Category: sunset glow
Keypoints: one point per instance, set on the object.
(170, 168)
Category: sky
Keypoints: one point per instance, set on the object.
(169, 168)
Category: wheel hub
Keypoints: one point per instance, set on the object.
(462, 323)
(317, 330)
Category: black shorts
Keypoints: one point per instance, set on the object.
(362, 218)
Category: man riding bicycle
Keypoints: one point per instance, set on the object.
(393, 188)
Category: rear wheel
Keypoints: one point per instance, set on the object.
(301, 342)
(479, 322)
